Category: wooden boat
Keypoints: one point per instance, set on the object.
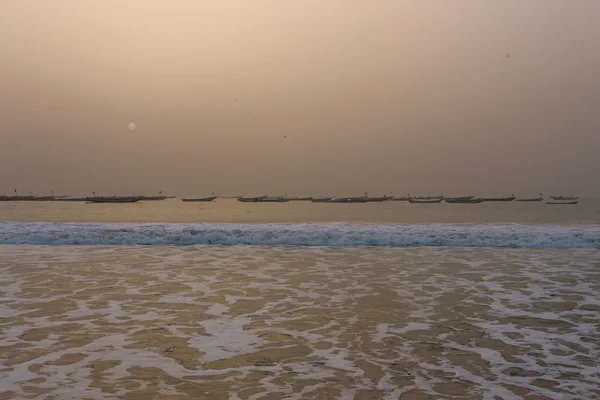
(377, 199)
(251, 199)
(113, 199)
(16, 197)
(563, 202)
(305, 198)
(200, 199)
(533, 199)
(450, 199)
(274, 199)
(155, 198)
(424, 201)
(349, 200)
(398, 199)
(43, 198)
(561, 198)
(72, 199)
(511, 198)
(427, 197)
(464, 201)
(322, 200)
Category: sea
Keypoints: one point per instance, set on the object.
(299, 300)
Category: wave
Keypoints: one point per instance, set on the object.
(334, 235)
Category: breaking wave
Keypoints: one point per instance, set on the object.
(334, 235)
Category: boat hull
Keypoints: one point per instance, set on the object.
(251, 199)
(202, 199)
(464, 201)
(377, 199)
(564, 198)
(130, 200)
(424, 201)
(499, 198)
(563, 202)
(349, 200)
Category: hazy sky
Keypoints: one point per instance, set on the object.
(484, 97)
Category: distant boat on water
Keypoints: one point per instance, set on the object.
(306, 198)
(441, 197)
(561, 198)
(252, 199)
(394, 198)
(510, 198)
(274, 199)
(155, 198)
(322, 199)
(17, 197)
(377, 199)
(72, 199)
(424, 200)
(458, 199)
(361, 199)
(114, 199)
(541, 198)
(563, 202)
(463, 200)
(200, 199)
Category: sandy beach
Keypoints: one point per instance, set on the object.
(212, 322)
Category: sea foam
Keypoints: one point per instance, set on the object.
(333, 235)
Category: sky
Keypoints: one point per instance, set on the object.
(334, 97)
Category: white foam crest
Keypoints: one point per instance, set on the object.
(335, 235)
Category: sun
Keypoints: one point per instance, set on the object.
(131, 126)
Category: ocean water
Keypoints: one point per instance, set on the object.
(299, 301)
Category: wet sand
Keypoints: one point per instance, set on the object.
(209, 322)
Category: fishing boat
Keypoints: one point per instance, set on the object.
(533, 199)
(156, 198)
(322, 200)
(403, 198)
(563, 202)
(16, 197)
(305, 198)
(511, 198)
(424, 201)
(562, 198)
(377, 199)
(464, 200)
(275, 199)
(458, 199)
(251, 199)
(114, 199)
(200, 199)
(441, 197)
(361, 199)
(44, 198)
(72, 199)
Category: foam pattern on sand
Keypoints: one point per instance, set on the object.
(334, 235)
(298, 323)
